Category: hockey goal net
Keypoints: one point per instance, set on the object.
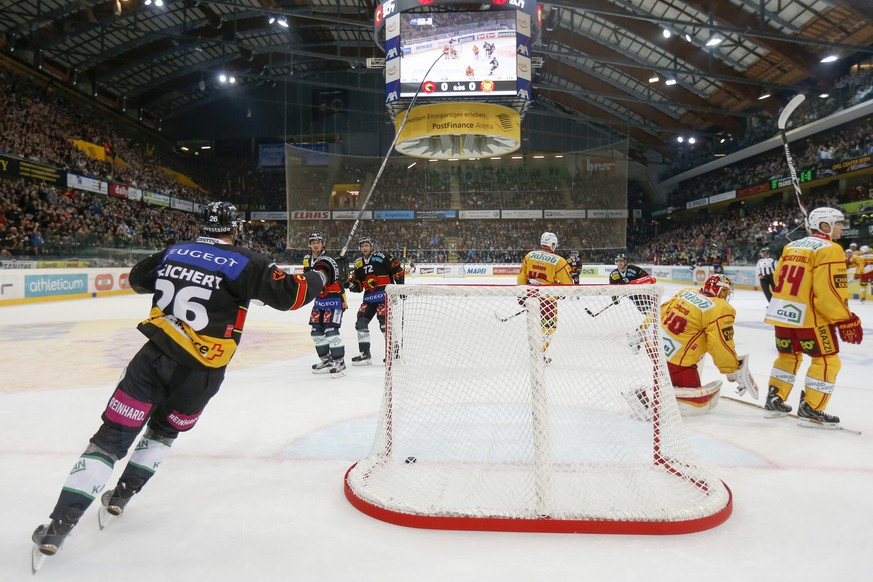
(517, 408)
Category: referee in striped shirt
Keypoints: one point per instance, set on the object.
(765, 269)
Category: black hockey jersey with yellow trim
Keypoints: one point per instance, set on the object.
(202, 291)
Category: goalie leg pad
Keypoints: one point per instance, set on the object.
(695, 401)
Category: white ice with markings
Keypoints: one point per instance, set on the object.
(254, 492)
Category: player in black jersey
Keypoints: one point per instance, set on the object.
(624, 272)
(575, 266)
(328, 309)
(201, 293)
(373, 271)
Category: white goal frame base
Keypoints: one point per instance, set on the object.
(532, 409)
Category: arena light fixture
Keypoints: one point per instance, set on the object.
(692, 140)
(666, 33)
(714, 40)
(670, 82)
(824, 95)
(829, 59)
(222, 78)
(283, 22)
(764, 95)
(654, 78)
(680, 139)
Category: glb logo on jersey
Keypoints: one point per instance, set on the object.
(785, 312)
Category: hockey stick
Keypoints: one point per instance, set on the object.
(593, 314)
(792, 415)
(385, 160)
(780, 123)
(508, 317)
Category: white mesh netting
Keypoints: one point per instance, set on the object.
(495, 412)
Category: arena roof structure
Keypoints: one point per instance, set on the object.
(655, 68)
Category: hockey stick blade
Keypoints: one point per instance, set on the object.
(760, 407)
(595, 314)
(789, 109)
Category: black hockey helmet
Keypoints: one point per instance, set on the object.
(574, 253)
(316, 236)
(764, 250)
(219, 218)
(365, 240)
(621, 257)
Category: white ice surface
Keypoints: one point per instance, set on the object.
(255, 493)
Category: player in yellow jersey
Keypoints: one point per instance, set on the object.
(544, 267)
(810, 304)
(696, 322)
(864, 269)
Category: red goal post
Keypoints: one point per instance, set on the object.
(532, 408)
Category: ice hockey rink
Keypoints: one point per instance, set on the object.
(255, 491)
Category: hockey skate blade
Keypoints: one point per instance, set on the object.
(322, 371)
(774, 414)
(104, 518)
(810, 423)
(336, 375)
(363, 363)
(37, 559)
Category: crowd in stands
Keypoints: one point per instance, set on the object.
(848, 91)
(39, 123)
(820, 152)
(37, 220)
(40, 220)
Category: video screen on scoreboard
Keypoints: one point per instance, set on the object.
(476, 52)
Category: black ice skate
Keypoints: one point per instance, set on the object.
(338, 368)
(364, 359)
(774, 406)
(809, 417)
(114, 501)
(323, 366)
(49, 538)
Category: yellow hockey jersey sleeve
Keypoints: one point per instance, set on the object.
(693, 325)
(544, 268)
(811, 287)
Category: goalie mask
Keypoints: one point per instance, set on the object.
(718, 286)
(220, 218)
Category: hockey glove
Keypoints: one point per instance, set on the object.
(342, 263)
(851, 331)
(327, 266)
